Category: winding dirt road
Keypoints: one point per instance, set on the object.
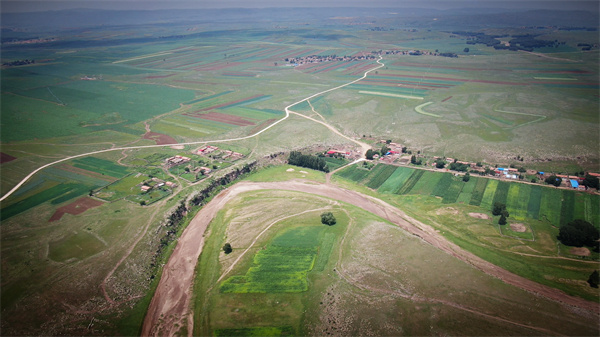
(170, 307)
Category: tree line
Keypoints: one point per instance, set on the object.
(308, 161)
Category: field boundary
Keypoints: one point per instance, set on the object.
(419, 109)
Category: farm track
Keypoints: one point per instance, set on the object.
(171, 302)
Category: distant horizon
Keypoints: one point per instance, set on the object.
(19, 6)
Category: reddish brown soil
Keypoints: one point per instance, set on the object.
(581, 251)
(76, 207)
(169, 309)
(159, 138)
(223, 118)
(5, 158)
(447, 98)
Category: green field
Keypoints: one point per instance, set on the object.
(522, 200)
(282, 266)
(102, 80)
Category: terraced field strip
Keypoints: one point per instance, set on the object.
(101, 166)
(551, 205)
(354, 173)
(427, 184)
(521, 209)
(410, 182)
(501, 192)
(488, 196)
(396, 180)
(467, 191)
(478, 192)
(377, 93)
(379, 175)
(419, 109)
(453, 191)
(567, 211)
(535, 199)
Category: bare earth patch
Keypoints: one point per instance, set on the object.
(290, 170)
(480, 216)
(518, 227)
(447, 210)
(581, 251)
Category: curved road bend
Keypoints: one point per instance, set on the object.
(170, 307)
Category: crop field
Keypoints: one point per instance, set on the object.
(282, 267)
(557, 206)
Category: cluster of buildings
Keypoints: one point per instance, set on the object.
(227, 154)
(296, 61)
(176, 160)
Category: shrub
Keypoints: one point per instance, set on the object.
(328, 219)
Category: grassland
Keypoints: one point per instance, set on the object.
(357, 269)
(105, 87)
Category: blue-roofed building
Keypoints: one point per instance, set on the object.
(574, 183)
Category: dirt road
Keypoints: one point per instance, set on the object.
(170, 308)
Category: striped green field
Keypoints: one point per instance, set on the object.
(411, 182)
(379, 175)
(453, 191)
(477, 193)
(427, 183)
(396, 180)
(354, 173)
(557, 206)
(467, 191)
(443, 185)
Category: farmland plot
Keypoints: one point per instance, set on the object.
(396, 180)
(282, 267)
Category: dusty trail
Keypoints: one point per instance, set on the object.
(170, 307)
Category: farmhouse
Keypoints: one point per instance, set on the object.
(145, 188)
(176, 160)
(232, 155)
(205, 170)
(332, 153)
(205, 150)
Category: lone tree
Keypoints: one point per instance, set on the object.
(594, 279)
(578, 233)
(466, 177)
(227, 248)
(328, 219)
(499, 208)
(502, 220)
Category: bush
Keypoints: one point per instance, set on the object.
(227, 248)
(578, 233)
(328, 219)
(594, 279)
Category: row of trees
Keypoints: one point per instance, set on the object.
(308, 161)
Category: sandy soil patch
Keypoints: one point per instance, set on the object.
(289, 170)
(303, 172)
(447, 210)
(177, 147)
(518, 227)
(581, 251)
(479, 216)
